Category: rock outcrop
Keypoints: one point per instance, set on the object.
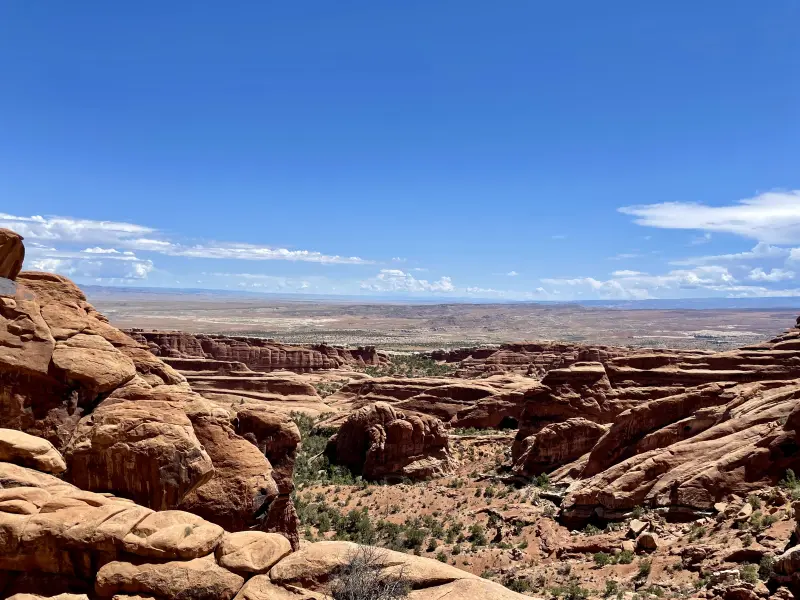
(58, 541)
(495, 402)
(126, 423)
(256, 353)
(380, 442)
(12, 253)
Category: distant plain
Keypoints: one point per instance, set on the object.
(408, 326)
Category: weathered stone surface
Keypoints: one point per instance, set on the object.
(261, 588)
(555, 445)
(491, 402)
(466, 589)
(647, 541)
(30, 451)
(93, 361)
(12, 253)
(252, 551)
(145, 449)
(55, 597)
(315, 564)
(239, 493)
(172, 534)
(750, 446)
(788, 562)
(198, 579)
(379, 441)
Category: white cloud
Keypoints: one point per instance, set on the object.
(627, 273)
(100, 266)
(773, 217)
(395, 280)
(558, 237)
(140, 238)
(512, 273)
(772, 276)
(254, 252)
(636, 286)
(624, 256)
(760, 251)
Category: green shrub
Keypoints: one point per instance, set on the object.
(601, 559)
(749, 573)
(625, 557)
(477, 535)
(765, 567)
(518, 584)
(645, 565)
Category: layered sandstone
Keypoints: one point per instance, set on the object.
(256, 353)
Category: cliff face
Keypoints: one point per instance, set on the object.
(256, 353)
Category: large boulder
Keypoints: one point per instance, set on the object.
(241, 490)
(30, 451)
(198, 579)
(381, 442)
(252, 551)
(314, 565)
(140, 447)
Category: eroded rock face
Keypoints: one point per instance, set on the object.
(258, 354)
(751, 444)
(12, 253)
(126, 422)
(381, 442)
(494, 402)
(556, 445)
(141, 447)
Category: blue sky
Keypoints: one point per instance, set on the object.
(504, 150)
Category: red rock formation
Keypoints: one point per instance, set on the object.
(12, 253)
(557, 444)
(380, 442)
(127, 422)
(257, 353)
(59, 541)
(492, 402)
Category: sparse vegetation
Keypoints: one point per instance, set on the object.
(412, 364)
(363, 577)
(601, 559)
(312, 466)
(645, 565)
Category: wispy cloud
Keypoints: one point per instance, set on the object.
(773, 217)
(147, 239)
(512, 273)
(95, 263)
(760, 251)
